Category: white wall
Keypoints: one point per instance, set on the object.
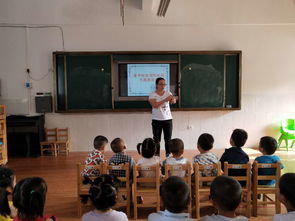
(264, 30)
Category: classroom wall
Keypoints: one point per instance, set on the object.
(264, 30)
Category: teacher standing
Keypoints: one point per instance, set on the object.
(161, 114)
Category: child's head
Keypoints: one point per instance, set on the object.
(147, 148)
(100, 142)
(268, 145)
(29, 197)
(7, 182)
(287, 193)
(175, 194)
(205, 142)
(238, 137)
(118, 145)
(103, 193)
(225, 193)
(176, 146)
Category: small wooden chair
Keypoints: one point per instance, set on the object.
(141, 187)
(62, 142)
(124, 191)
(264, 190)
(246, 189)
(49, 143)
(200, 188)
(83, 189)
(183, 171)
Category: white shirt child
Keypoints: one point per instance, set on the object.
(168, 216)
(112, 215)
(223, 218)
(284, 217)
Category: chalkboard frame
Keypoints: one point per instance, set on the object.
(238, 77)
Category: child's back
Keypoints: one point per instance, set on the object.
(29, 197)
(267, 146)
(205, 144)
(147, 149)
(226, 195)
(235, 154)
(118, 146)
(175, 196)
(176, 147)
(96, 156)
(7, 182)
(287, 197)
(103, 195)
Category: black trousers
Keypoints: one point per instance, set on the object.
(158, 126)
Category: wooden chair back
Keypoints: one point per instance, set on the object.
(83, 189)
(265, 190)
(202, 183)
(246, 180)
(124, 191)
(183, 171)
(62, 141)
(49, 143)
(146, 187)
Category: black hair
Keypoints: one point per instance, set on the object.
(159, 79)
(226, 192)
(239, 137)
(176, 145)
(103, 192)
(287, 186)
(147, 148)
(117, 145)
(29, 197)
(268, 144)
(99, 142)
(6, 180)
(206, 141)
(175, 194)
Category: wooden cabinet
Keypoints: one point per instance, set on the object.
(3, 136)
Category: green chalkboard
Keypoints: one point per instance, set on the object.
(89, 82)
(202, 81)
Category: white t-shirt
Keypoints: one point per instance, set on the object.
(223, 218)
(168, 216)
(148, 162)
(112, 215)
(284, 217)
(163, 112)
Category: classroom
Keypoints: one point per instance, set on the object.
(35, 35)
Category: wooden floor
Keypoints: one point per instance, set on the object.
(60, 175)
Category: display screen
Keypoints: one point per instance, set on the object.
(139, 80)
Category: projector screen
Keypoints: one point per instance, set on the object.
(141, 78)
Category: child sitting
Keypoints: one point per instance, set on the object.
(267, 146)
(7, 183)
(176, 147)
(29, 199)
(235, 154)
(147, 149)
(225, 193)
(175, 196)
(205, 144)
(96, 156)
(287, 197)
(103, 195)
(118, 146)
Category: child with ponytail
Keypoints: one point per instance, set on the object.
(103, 195)
(29, 197)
